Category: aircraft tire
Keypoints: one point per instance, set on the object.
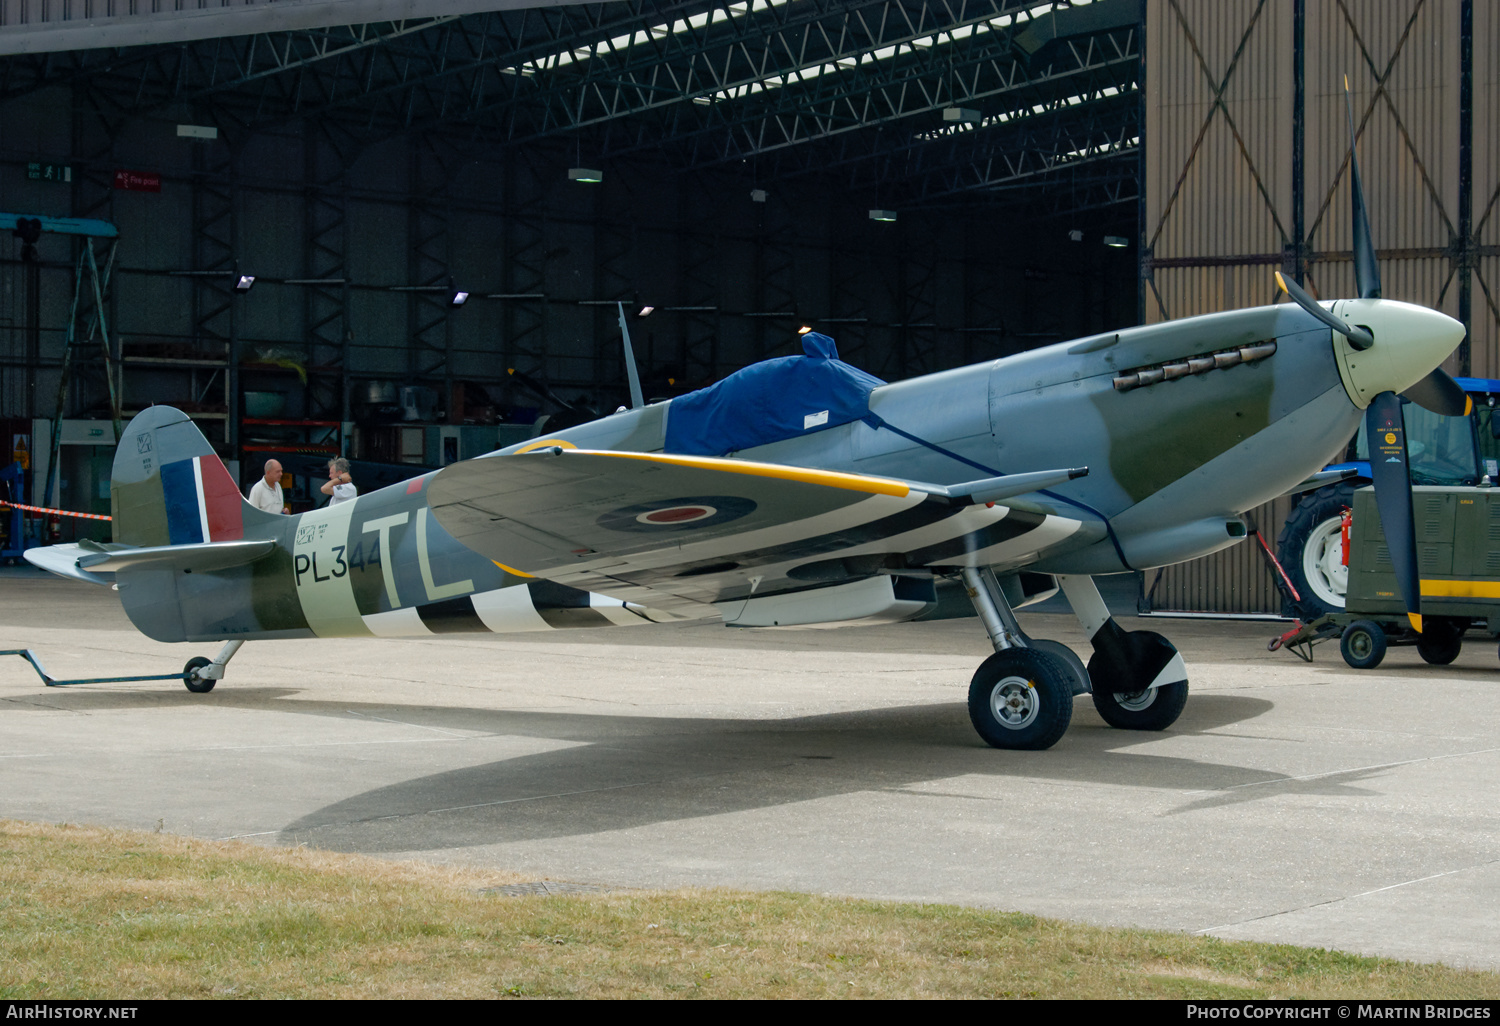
(1021, 699)
(1081, 684)
(1441, 642)
(196, 684)
(1363, 644)
(1152, 709)
(1310, 550)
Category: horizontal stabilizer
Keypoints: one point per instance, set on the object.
(86, 561)
(203, 557)
(62, 560)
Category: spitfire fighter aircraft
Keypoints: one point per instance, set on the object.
(801, 491)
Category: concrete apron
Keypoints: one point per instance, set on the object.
(1304, 804)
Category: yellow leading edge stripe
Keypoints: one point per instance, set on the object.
(829, 478)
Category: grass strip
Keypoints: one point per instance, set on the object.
(95, 913)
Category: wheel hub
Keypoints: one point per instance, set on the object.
(1323, 562)
(1135, 701)
(1014, 702)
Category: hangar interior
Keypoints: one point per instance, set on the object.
(298, 207)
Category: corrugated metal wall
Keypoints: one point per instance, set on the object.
(1485, 329)
(1220, 212)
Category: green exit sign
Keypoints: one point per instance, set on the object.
(38, 172)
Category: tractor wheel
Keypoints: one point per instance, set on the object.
(1441, 641)
(1311, 551)
(1363, 644)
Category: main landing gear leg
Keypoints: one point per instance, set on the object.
(200, 674)
(1140, 680)
(1022, 696)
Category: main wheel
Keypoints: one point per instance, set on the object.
(1311, 551)
(1021, 698)
(1152, 709)
(1441, 641)
(1363, 644)
(196, 684)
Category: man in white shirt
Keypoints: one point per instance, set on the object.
(339, 487)
(266, 493)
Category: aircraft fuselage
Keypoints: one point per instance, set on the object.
(1183, 426)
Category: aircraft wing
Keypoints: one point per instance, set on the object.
(682, 533)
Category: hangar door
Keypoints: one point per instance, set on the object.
(1247, 172)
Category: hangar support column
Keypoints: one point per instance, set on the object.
(215, 266)
(524, 271)
(698, 296)
(326, 323)
(428, 288)
(776, 277)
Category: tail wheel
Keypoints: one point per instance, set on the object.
(196, 684)
(1021, 699)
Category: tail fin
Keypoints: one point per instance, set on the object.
(169, 488)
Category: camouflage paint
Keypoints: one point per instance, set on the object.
(1153, 443)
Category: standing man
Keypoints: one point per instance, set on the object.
(339, 486)
(265, 494)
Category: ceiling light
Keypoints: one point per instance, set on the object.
(964, 114)
(459, 298)
(1075, 235)
(882, 215)
(759, 195)
(645, 311)
(1117, 241)
(243, 285)
(804, 329)
(585, 174)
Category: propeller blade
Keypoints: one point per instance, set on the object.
(1442, 395)
(1366, 270)
(1392, 480)
(1359, 338)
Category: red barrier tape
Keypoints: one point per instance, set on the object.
(56, 512)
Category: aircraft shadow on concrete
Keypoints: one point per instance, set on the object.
(621, 772)
(636, 771)
(629, 771)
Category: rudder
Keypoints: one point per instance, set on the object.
(168, 487)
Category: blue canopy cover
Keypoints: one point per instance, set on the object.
(771, 401)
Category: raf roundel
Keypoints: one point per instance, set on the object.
(674, 515)
(678, 513)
